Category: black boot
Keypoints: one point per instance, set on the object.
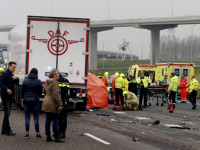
(140, 107)
(62, 135)
(49, 139)
(194, 106)
(57, 139)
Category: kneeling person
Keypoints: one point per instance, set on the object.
(132, 101)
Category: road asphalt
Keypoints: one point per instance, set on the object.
(113, 130)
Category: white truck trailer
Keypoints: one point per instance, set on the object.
(52, 42)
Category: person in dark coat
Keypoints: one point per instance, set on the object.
(62, 122)
(7, 81)
(31, 89)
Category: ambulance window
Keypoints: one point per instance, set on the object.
(146, 73)
(162, 72)
(139, 72)
(185, 72)
(177, 72)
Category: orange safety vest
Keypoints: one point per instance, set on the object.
(113, 84)
(104, 79)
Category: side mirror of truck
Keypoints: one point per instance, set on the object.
(5, 61)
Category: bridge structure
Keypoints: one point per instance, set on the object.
(155, 25)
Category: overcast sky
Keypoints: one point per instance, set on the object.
(13, 11)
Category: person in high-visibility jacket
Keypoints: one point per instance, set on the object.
(1, 70)
(132, 86)
(126, 82)
(119, 84)
(62, 121)
(142, 84)
(99, 76)
(194, 87)
(105, 79)
(183, 87)
(113, 81)
(174, 83)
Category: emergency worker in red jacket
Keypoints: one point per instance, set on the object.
(183, 87)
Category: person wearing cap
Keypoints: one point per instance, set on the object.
(62, 121)
(142, 84)
(99, 75)
(132, 85)
(119, 84)
(105, 79)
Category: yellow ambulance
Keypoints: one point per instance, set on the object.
(163, 69)
(147, 70)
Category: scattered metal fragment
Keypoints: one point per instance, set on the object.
(130, 122)
(183, 123)
(80, 134)
(136, 139)
(121, 121)
(190, 123)
(180, 128)
(80, 115)
(90, 110)
(112, 120)
(156, 122)
(195, 129)
(103, 114)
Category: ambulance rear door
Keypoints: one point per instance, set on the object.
(186, 71)
(177, 71)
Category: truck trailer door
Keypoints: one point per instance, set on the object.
(73, 62)
(42, 38)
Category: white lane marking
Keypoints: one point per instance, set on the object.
(141, 118)
(172, 125)
(120, 113)
(96, 138)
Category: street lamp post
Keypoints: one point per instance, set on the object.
(191, 42)
(142, 48)
(103, 52)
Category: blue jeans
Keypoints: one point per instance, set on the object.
(51, 117)
(35, 108)
(7, 102)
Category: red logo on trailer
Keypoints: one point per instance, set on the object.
(77, 73)
(54, 41)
